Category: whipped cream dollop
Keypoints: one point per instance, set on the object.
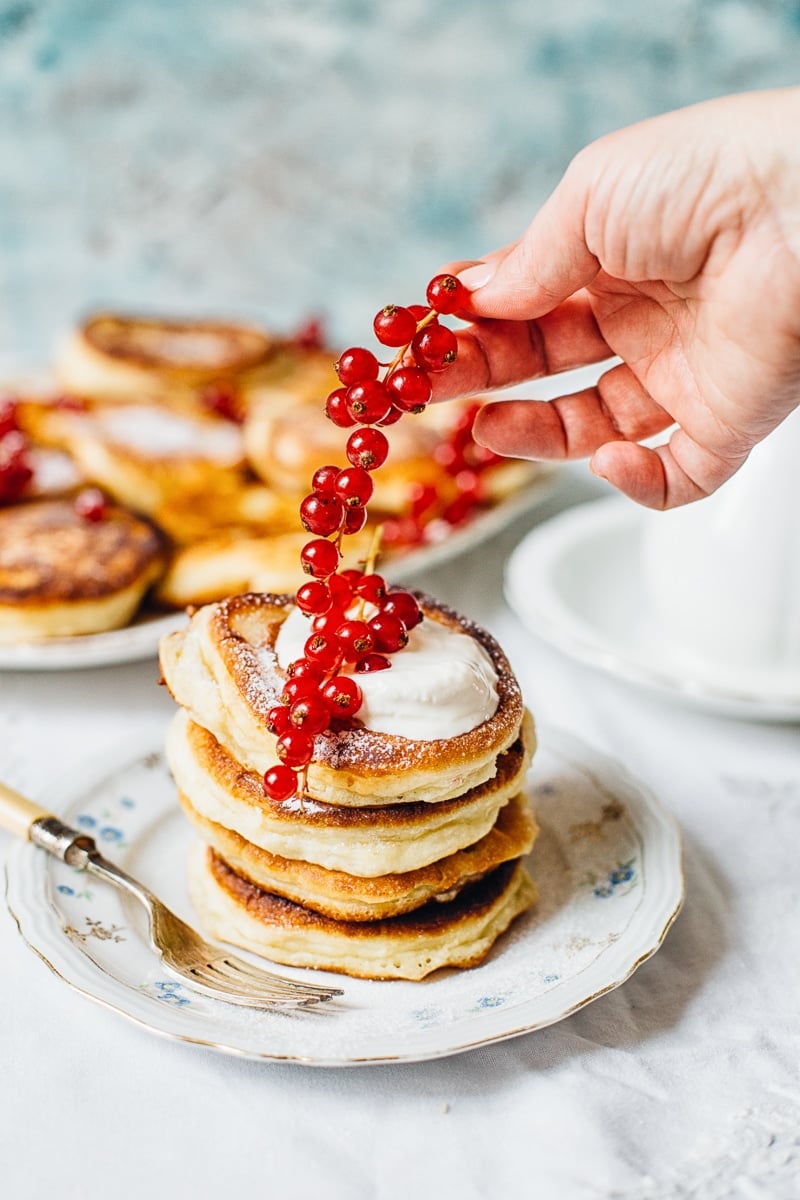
(441, 684)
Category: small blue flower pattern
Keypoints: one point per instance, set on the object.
(614, 883)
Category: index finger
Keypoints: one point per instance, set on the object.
(498, 353)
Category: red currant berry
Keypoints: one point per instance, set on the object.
(449, 457)
(295, 748)
(404, 606)
(222, 399)
(468, 483)
(457, 512)
(355, 518)
(357, 365)
(328, 622)
(389, 633)
(435, 347)
(8, 415)
(296, 687)
(342, 695)
(278, 719)
(310, 714)
(355, 638)
(392, 417)
(367, 448)
(314, 597)
(321, 514)
(280, 783)
(394, 326)
(324, 649)
(402, 531)
(409, 388)
(352, 577)
(91, 504)
(368, 402)
(336, 409)
(341, 585)
(372, 662)
(324, 480)
(446, 294)
(372, 588)
(419, 311)
(354, 486)
(15, 469)
(310, 335)
(319, 558)
(422, 496)
(301, 668)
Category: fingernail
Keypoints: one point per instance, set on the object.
(477, 276)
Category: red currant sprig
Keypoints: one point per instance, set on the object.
(356, 623)
(16, 470)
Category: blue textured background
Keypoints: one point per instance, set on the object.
(280, 157)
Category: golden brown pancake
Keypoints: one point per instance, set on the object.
(359, 841)
(357, 898)
(61, 574)
(458, 933)
(223, 670)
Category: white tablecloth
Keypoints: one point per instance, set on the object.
(683, 1082)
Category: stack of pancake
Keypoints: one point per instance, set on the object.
(403, 857)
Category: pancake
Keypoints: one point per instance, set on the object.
(459, 933)
(231, 562)
(126, 357)
(347, 897)
(62, 575)
(222, 670)
(285, 448)
(367, 842)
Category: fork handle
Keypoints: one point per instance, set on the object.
(17, 813)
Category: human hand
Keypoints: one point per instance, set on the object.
(674, 245)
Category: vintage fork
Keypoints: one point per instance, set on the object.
(208, 968)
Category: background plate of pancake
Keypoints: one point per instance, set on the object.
(203, 436)
(606, 862)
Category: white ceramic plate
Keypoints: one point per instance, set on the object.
(140, 640)
(576, 582)
(607, 863)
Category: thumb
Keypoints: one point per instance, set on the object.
(547, 264)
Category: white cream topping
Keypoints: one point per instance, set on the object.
(441, 684)
(157, 432)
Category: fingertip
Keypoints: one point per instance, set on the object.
(633, 470)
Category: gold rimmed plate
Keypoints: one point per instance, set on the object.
(607, 864)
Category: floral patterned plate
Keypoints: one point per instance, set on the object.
(607, 863)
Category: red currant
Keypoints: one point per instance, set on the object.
(222, 399)
(355, 518)
(280, 783)
(355, 638)
(321, 514)
(314, 597)
(403, 605)
(409, 388)
(422, 496)
(319, 558)
(328, 622)
(8, 415)
(325, 650)
(324, 480)
(310, 714)
(341, 586)
(394, 326)
(278, 719)
(446, 294)
(354, 486)
(295, 748)
(342, 695)
(368, 402)
(367, 448)
(419, 311)
(372, 588)
(337, 411)
(302, 668)
(357, 365)
(296, 687)
(392, 417)
(91, 504)
(372, 662)
(389, 633)
(435, 347)
(310, 335)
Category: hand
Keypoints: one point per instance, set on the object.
(674, 245)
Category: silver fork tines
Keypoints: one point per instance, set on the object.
(209, 969)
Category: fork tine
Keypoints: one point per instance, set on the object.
(268, 987)
(218, 988)
(243, 970)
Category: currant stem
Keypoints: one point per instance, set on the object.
(403, 351)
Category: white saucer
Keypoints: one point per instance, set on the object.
(576, 582)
